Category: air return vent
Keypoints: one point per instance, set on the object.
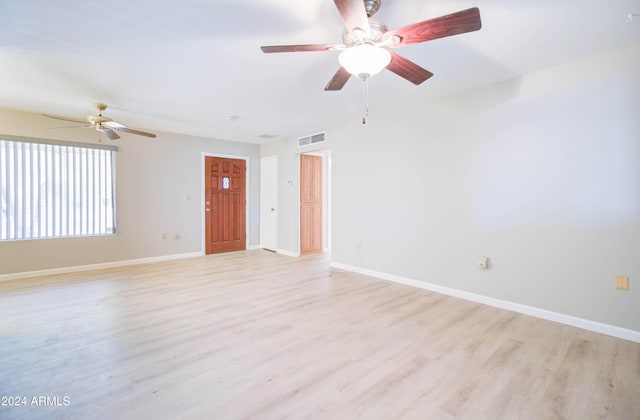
(313, 139)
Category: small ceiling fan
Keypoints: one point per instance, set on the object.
(367, 42)
(102, 124)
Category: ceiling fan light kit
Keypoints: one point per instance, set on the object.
(364, 60)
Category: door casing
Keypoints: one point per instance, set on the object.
(269, 202)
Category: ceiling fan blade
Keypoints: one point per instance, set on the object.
(137, 132)
(353, 14)
(65, 119)
(338, 80)
(408, 69)
(71, 126)
(113, 124)
(441, 27)
(110, 133)
(297, 48)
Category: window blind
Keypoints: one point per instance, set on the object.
(51, 189)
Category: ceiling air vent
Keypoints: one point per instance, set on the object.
(313, 139)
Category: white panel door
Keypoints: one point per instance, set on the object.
(269, 203)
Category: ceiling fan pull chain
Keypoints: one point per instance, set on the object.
(366, 101)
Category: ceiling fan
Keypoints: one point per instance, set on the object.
(102, 124)
(367, 42)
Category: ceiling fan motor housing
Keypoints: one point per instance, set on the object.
(97, 120)
(377, 28)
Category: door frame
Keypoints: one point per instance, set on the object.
(262, 159)
(203, 233)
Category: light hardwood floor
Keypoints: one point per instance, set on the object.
(258, 336)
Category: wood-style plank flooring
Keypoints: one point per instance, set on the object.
(254, 335)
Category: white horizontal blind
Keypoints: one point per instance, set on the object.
(52, 189)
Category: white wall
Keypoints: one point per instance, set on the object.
(540, 174)
(153, 176)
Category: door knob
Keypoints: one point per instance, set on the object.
(272, 209)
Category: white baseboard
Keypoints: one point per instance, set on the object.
(62, 270)
(251, 247)
(287, 253)
(584, 324)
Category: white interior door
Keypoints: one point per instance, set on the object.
(269, 203)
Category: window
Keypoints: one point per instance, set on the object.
(53, 189)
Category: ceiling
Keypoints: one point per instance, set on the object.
(186, 66)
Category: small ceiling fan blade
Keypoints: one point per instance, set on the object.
(440, 27)
(408, 69)
(338, 80)
(110, 133)
(297, 48)
(113, 124)
(353, 14)
(64, 119)
(137, 132)
(71, 126)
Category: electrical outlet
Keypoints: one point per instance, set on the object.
(176, 236)
(483, 263)
(622, 283)
(164, 236)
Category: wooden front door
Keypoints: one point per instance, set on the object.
(310, 204)
(225, 204)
